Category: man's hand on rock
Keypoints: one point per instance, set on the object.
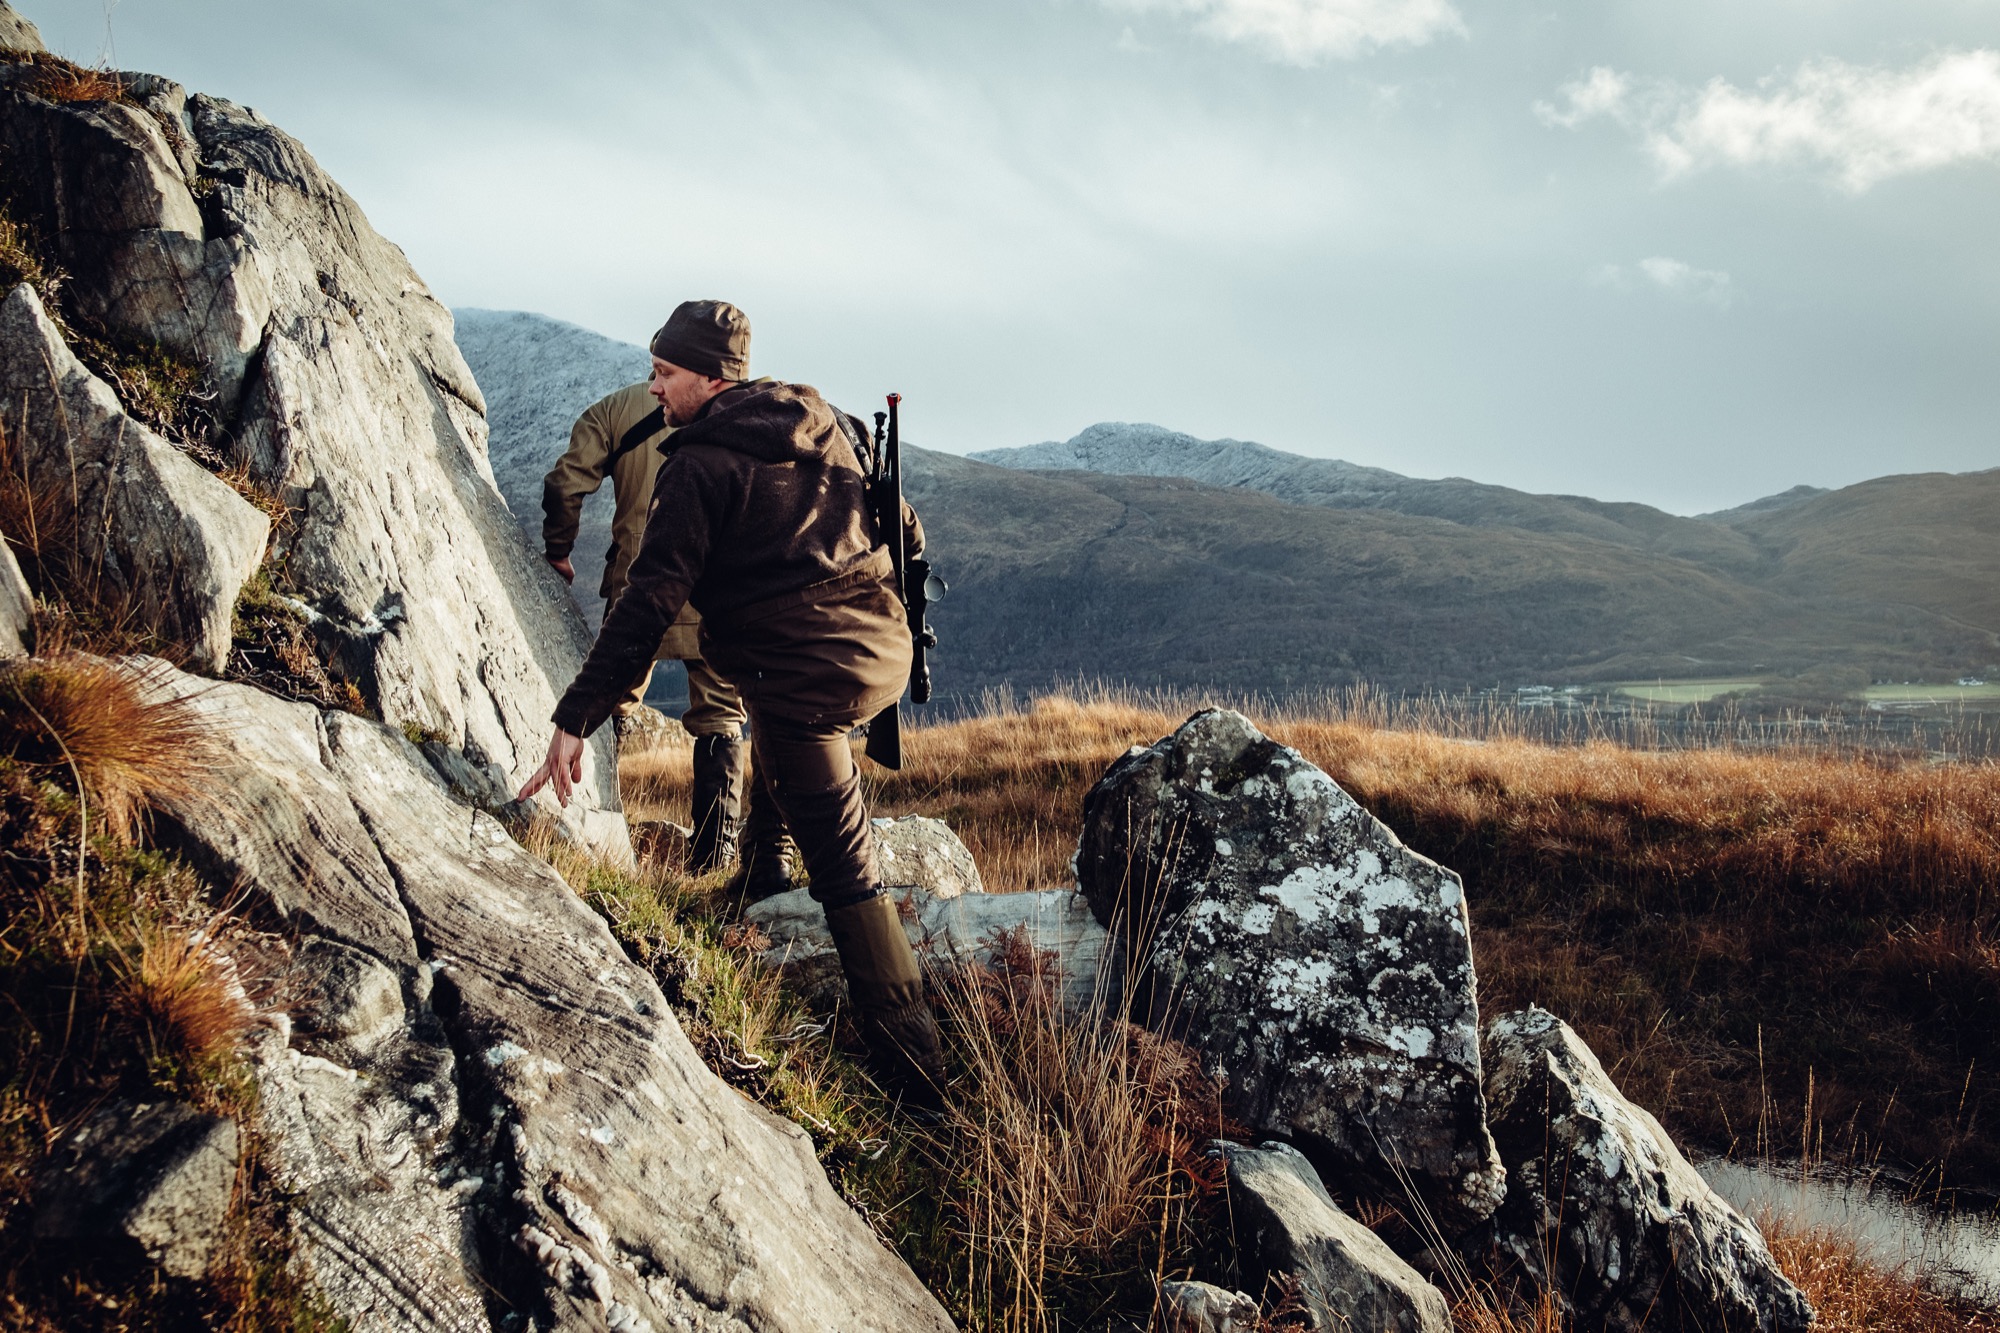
(564, 766)
(563, 567)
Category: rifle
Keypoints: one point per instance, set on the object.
(916, 585)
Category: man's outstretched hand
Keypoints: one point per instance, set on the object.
(564, 767)
(563, 567)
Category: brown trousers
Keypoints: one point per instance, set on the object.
(806, 770)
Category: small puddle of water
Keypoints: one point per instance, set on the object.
(1954, 1255)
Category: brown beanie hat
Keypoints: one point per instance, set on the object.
(710, 338)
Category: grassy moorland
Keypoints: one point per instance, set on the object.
(1660, 900)
(1790, 949)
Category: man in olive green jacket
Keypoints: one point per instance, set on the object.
(619, 436)
(761, 518)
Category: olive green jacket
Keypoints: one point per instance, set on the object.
(579, 473)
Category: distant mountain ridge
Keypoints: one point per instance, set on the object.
(1278, 573)
(1139, 450)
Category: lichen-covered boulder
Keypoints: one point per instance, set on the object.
(1603, 1211)
(148, 535)
(1323, 969)
(1348, 1276)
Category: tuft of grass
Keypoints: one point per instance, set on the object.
(181, 994)
(54, 79)
(123, 744)
(1075, 1145)
(22, 259)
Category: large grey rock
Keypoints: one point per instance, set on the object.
(155, 536)
(1349, 1278)
(152, 1180)
(17, 34)
(1202, 1307)
(534, 1125)
(17, 606)
(192, 222)
(1323, 969)
(1604, 1211)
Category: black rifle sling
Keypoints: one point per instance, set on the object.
(644, 429)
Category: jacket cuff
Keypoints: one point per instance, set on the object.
(576, 717)
(557, 550)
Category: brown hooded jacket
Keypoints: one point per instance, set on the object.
(759, 519)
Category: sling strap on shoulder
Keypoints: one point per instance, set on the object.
(644, 429)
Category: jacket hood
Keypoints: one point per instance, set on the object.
(769, 421)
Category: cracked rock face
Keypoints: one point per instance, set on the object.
(1323, 969)
(153, 531)
(1603, 1210)
(481, 1105)
(191, 222)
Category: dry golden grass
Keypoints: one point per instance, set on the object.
(1728, 929)
(1853, 1296)
(182, 996)
(1077, 1144)
(123, 743)
(57, 80)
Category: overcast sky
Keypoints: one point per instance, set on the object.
(1681, 251)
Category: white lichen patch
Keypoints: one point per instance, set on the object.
(1414, 1042)
(1311, 893)
(1298, 984)
(502, 1053)
(1258, 919)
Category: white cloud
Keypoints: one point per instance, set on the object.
(1304, 32)
(1863, 125)
(1602, 92)
(1675, 277)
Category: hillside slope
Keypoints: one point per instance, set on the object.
(1137, 450)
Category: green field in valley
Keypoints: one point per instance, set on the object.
(1684, 691)
(1988, 691)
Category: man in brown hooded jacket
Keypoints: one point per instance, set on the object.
(760, 519)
